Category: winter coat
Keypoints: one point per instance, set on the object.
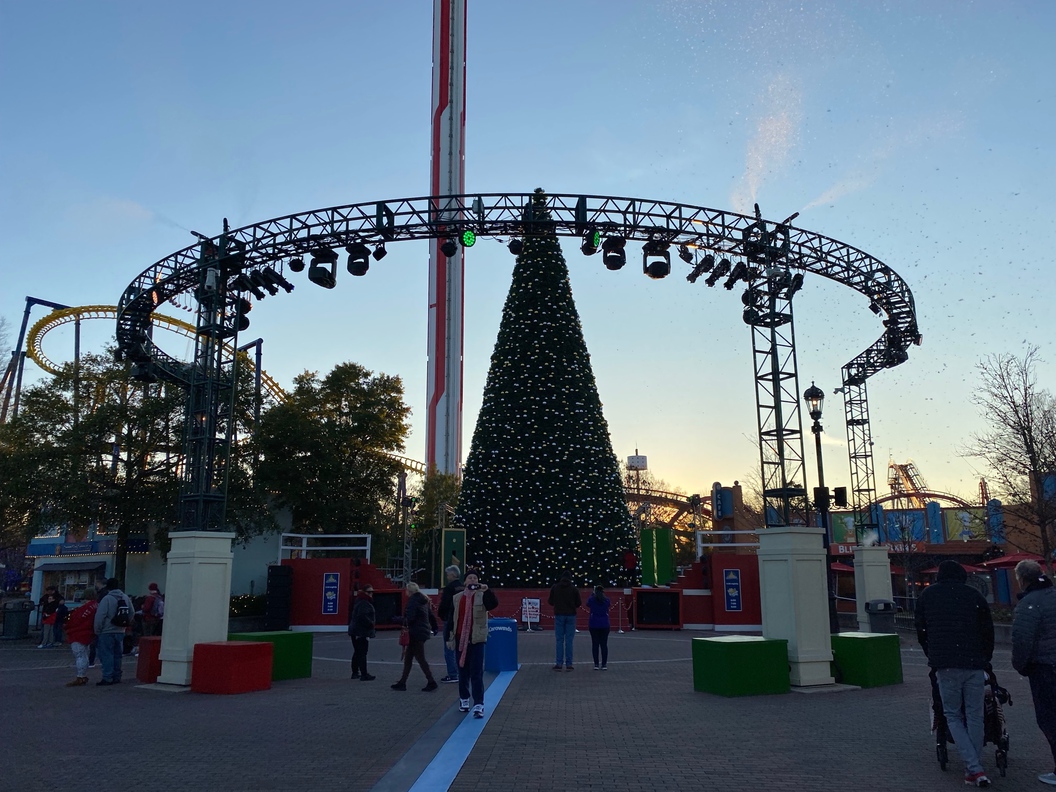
(1034, 627)
(418, 617)
(481, 602)
(447, 598)
(80, 627)
(599, 613)
(107, 610)
(361, 623)
(953, 621)
(565, 598)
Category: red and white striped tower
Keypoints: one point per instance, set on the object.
(446, 295)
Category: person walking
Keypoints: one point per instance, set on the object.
(80, 629)
(49, 606)
(421, 624)
(111, 620)
(1034, 649)
(599, 627)
(956, 631)
(470, 609)
(565, 599)
(447, 596)
(361, 630)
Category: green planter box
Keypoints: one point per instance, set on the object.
(867, 659)
(740, 665)
(292, 652)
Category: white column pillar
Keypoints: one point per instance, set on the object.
(872, 579)
(197, 599)
(795, 600)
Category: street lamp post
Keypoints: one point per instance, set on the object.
(814, 397)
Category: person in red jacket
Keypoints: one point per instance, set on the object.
(81, 632)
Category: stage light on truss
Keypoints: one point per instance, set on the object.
(261, 283)
(591, 241)
(243, 283)
(379, 252)
(323, 269)
(795, 284)
(358, 259)
(515, 246)
(874, 307)
(296, 265)
(704, 265)
(735, 275)
(656, 259)
(468, 238)
(275, 279)
(685, 253)
(721, 269)
(613, 254)
(449, 248)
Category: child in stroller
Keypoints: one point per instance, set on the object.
(994, 732)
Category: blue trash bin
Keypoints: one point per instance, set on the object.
(500, 653)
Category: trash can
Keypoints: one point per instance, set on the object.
(881, 614)
(16, 619)
(500, 652)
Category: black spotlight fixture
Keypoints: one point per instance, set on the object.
(721, 269)
(735, 275)
(275, 279)
(874, 307)
(591, 241)
(244, 283)
(795, 284)
(296, 265)
(704, 265)
(449, 248)
(323, 269)
(358, 259)
(613, 254)
(656, 259)
(380, 252)
(261, 283)
(515, 246)
(685, 253)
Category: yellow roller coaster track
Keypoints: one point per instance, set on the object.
(67, 315)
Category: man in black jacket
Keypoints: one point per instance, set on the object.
(447, 596)
(1034, 648)
(956, 632)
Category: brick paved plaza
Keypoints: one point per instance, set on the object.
(637, 726)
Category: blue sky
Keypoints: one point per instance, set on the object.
(919, 132)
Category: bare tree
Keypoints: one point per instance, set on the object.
(1020, 445)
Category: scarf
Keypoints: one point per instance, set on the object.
(466, 630)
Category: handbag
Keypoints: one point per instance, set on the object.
(405, 637)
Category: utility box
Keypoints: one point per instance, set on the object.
(881, 615)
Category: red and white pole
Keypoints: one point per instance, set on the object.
(446, 294)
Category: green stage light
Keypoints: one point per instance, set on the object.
(469, 239)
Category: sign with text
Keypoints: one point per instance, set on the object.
(331, 586)
(530, 610)
(731, 579)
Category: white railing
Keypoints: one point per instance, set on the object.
(304, 545)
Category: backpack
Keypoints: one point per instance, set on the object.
(157, 608)
(123, 615)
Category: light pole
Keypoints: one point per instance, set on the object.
(814, 397)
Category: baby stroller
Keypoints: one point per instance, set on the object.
(993, 721)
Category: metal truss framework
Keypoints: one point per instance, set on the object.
(704, 232)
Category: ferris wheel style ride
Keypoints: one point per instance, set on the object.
(768, 259)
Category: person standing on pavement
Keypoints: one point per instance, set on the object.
(1034, 649)
(420, 622)
(470, 616)
(152, 610)
(361, 630)
(599, 627)
(956, 631)
(80, 629)
(100, 592)
(565, 599)
(49, 605)
(447, 596)
(111, 620)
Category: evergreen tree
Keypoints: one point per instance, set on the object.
(541, 490)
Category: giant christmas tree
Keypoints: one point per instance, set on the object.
(541, 490)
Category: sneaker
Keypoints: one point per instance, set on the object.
(399, 686)
(977, 779)
(91, 665)
(558, 667)
(447, 679)
(478, 711)
(41, 646)
(355, 675)
(604, 668)
(1048, 778)
(463, 705)
(429, 688)
(103, 683)
(597, 667)
(77, 682)
(367, 678)
(569, 668)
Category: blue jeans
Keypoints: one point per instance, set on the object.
(110, 648)
(450, 658)
(962, 691)
(471, 675)
(564, 632)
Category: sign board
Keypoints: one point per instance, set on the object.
(530, 610)
(731, 579)
(331, 586)
(452, 551)
(637, 462)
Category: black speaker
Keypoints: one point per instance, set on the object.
(279, 597)
(658, 608)
(388, 607)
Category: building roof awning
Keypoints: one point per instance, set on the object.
(68, 566)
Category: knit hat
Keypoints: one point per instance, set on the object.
(152, 587)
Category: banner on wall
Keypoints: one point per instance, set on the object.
(963, 525)
(331, 586)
